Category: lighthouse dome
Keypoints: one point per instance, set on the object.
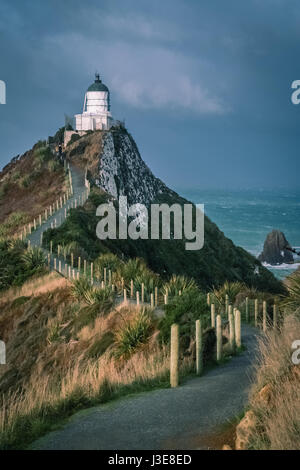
(98, 85)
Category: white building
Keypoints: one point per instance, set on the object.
(96, 111)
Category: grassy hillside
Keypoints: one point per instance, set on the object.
(28, 186)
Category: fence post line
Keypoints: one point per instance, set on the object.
(79, 263)
(59, 266)
(166, 299)
(213, 315)
(199, 348)
(275, 316)
(72, 260)
(151, 300)
(125, 296)
(137, 298)
(174, 355)
(105, 275)
(237, 322)
(264, 316)
(51, 246)
(219, 337)
(231, 332)
(109, 277)
(255, 312)
(207, 299)
(156, 296)
(55, 264)
(84, 267)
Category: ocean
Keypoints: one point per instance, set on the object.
(247, 216)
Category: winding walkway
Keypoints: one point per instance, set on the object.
(178, 418)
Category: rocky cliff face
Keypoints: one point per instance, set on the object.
(275, 251)
(122, 172)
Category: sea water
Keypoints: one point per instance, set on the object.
(247, 216)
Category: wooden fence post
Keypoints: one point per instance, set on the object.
(151, 300)
(237, 332)
(219, 337)
(137, 298)
(264, 316)
(131, 288)
(231, 332)
(143, 292)
(125, 296)
(247, 309)
(174, 356)
(199, 348)
(156, 296)
(213, 315)
(208, 299)
(226, 305)
(256, 312)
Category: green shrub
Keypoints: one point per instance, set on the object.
(178, 283)
(133, 334)
(109, 261)
(232, 289)
(13, 221)
(185, 310)
(83, 290)
(292, 301)
(53, 166)
(25, 181)
(17, 264)
(74, 138)
(33, 259)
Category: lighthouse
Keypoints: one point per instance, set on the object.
(96, 108)
(96, 113)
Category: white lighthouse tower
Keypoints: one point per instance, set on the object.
(96, 113)
(96, 108)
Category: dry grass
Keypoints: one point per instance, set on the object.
(35, 287)
(278, 409)
(18, 198)
(56, 366)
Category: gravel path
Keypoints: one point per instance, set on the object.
(163, 419)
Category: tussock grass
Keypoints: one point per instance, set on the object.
(178, 283)
(278, 425)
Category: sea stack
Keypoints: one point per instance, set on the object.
(275, 251)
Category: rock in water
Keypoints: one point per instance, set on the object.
(275, 251)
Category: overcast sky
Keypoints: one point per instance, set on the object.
(204, 86)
